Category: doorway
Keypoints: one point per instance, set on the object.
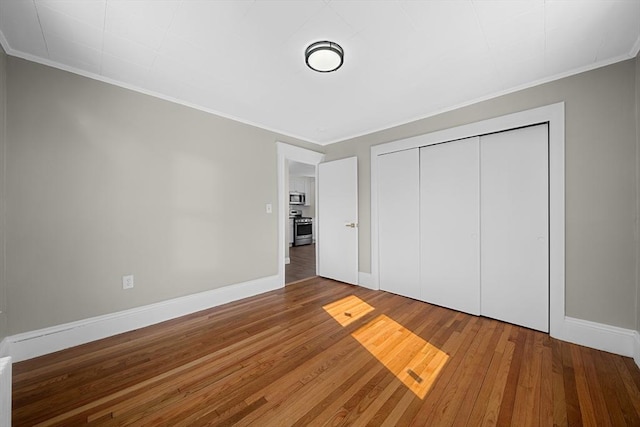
(291, 154)
(300, 250)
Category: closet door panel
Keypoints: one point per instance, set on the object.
(515, 227)
(449, 224)
(398, 223)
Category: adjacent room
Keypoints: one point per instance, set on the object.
(300, 256)
(320, 212)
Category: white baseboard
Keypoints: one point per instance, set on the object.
(37, 343)
(601, 337)
(625, 342)
(287, 260)
(366, 280)
(636, 348)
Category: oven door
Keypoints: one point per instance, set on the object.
(303, 233)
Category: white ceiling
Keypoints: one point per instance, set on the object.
(245, 59)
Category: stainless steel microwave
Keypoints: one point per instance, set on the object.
(296, 198)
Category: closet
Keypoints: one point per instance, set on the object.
(464, 224)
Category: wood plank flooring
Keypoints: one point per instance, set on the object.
(322, 353)
(303, 263)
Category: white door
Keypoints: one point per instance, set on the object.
(515, 227)
(449, 224)
(338, 220)
(399, 222)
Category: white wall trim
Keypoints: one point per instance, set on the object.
(366, 280)
(287, 260)
(552, 114)
(302, 155)
(636, 347)
(600, 336)
(5, 391)
(43, 341)
(603, 63)
(64, 67)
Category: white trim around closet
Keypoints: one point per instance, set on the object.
(552, 114)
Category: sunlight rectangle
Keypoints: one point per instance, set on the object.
(414, 361)
(347, 310)
(410, 358)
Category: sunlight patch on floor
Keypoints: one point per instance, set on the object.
(414, 361)
(347, 310)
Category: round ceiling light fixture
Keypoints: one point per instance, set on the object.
(324, 56)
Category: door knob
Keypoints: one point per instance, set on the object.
(351, 225)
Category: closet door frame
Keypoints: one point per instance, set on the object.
(553, 115)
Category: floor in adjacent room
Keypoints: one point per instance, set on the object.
(320, 352)
(303, 263)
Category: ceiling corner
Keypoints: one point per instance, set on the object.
(635, 48)
(4, 43)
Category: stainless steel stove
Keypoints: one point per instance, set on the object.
(302, 231)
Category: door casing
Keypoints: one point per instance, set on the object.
(553, 115)
(297, 154)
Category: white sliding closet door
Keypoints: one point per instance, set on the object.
(515, 226)
(449, 224)
(398, 222)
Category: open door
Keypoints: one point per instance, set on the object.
(338, 220)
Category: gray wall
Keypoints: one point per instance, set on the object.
(600, 182)
(3, 282)
(103, 181)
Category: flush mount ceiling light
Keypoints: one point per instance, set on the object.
(324, 56)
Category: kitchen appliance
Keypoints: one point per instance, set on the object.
(296, 198)
(302, 231)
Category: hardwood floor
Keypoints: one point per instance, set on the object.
(324, 353)
(303, 263)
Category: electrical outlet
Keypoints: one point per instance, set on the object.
(127, 281)
(269, 208)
